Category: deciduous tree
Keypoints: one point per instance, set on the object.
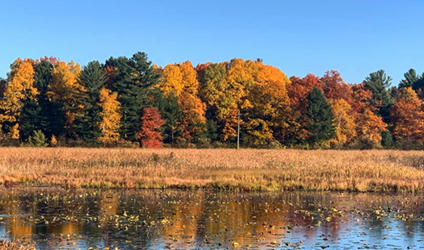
(408, 116)
(110, 117)
(192, 107)
(369, 126)
(150, 131)
(181, 81)
(217, 93)
(334, 86)
(267, 116)
(344, 121)
(18, 89)
(298, 92)
(64, 90)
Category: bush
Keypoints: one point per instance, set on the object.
(276, 145)
(409, 144)
(387, 139)
(38, 139)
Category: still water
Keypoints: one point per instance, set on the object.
(167, 219)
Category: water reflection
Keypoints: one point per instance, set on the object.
(70, 219)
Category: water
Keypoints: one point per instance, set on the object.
(156, 219)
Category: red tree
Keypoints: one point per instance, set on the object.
(149, 133)
(334, 86)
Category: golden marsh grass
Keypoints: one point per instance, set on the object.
(246, 169)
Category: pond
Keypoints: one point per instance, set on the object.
(168, 219)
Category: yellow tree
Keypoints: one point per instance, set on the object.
(64, 89)
(19, 87)
(239, 79)
(110, 116)
(369, 127)
(407, 116)
(344, 121)
(192, 107)
(171, 81)
(270, 103)
(181, 80)
(216, 92)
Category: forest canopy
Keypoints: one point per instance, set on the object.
(132, 102)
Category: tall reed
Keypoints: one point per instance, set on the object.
(247, 169)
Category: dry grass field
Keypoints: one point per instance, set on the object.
(246, 169)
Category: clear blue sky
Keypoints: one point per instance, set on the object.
(355, 37)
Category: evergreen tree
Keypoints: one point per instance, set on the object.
(132, 81)
(38, 139)
(387, 139)
(412, 79)
(379, 83)
(320, 127)
(2, 86)
(92, 78)
(31, 119)
(41, 114)
(171, 112)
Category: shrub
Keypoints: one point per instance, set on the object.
(38, 139)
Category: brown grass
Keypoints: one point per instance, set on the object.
(247, 169)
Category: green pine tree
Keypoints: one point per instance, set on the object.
(42, 114)
(170, 111)
(413, 80)
(378, 83)
(321, 117)
(86, 122)
(31, 119)
(38, 139)
(132, 82)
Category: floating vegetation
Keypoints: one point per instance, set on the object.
(10, 245)
(56, 218)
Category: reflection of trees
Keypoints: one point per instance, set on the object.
(181, 220)
(108, 203)
(19, 229)
(18, 210)
(64, 228)
(231, 218)
(185, 218)
(30, 212)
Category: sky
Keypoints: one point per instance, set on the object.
(354, 37)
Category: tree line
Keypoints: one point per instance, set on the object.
(130, 101)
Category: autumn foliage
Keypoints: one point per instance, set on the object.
(130, 100)
(150, 131)
(110, 117)
(408, 116)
